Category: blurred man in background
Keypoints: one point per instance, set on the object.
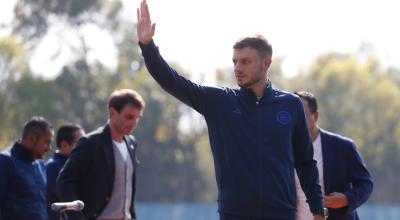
(23, 173)
(66, 139)
(343, 175)
(101, 171)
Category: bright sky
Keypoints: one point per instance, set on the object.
(199, 34)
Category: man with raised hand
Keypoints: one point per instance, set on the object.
(258, 134)
(66, 139)
(344, 177)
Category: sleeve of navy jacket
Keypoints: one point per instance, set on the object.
(360, 179)
(5, 173)
(305, 164)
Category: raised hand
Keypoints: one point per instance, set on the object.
(145, 29)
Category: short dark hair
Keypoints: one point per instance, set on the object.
(310, 98)
(37, 125)
(66, 133)
(120, 98)
(257, 42)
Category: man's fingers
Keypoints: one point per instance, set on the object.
(145, 28)
(146, 11)
(327, 200)
(143, 13)
(141, 8)
(153, 28)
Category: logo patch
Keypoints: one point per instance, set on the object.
(283, 117)
(237, 111)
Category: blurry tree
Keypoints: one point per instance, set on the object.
(276, 75)
(82, 94)
(82, 86)
(394, 74)
(22, 95)
(12, 66)
(12, 59)
(34, 18)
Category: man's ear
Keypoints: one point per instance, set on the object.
(63, 144)
(30, 140)
(32, 137)
(315, 116)
(111, 112)
(267, 62)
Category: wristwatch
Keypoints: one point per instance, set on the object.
(323, 212)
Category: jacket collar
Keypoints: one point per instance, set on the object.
(19, 151)
(327, 161)
(59, 157)
(107, 146)
(250, 96)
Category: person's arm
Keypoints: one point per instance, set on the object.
(51, 174)
(360, 179)
(5, 175)
(51, 188)
(73, 171)
(305, 164)
(183, 89)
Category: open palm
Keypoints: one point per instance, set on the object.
(145, 28)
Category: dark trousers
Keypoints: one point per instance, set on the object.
(235, 217)
(229, 217)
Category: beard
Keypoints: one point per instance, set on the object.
(251, 82)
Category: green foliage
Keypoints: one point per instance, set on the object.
(33, 18)
(82, 94)
(12, 66)
(12, 61)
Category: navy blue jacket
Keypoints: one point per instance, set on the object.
(53, 167)
(255, 146)
(88, 174)
(345, 172)
(22, 185)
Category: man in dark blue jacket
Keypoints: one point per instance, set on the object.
(23, 174)
(66, 139)
(344, 176)
(258, 134)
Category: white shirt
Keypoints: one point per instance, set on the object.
(303, 210)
